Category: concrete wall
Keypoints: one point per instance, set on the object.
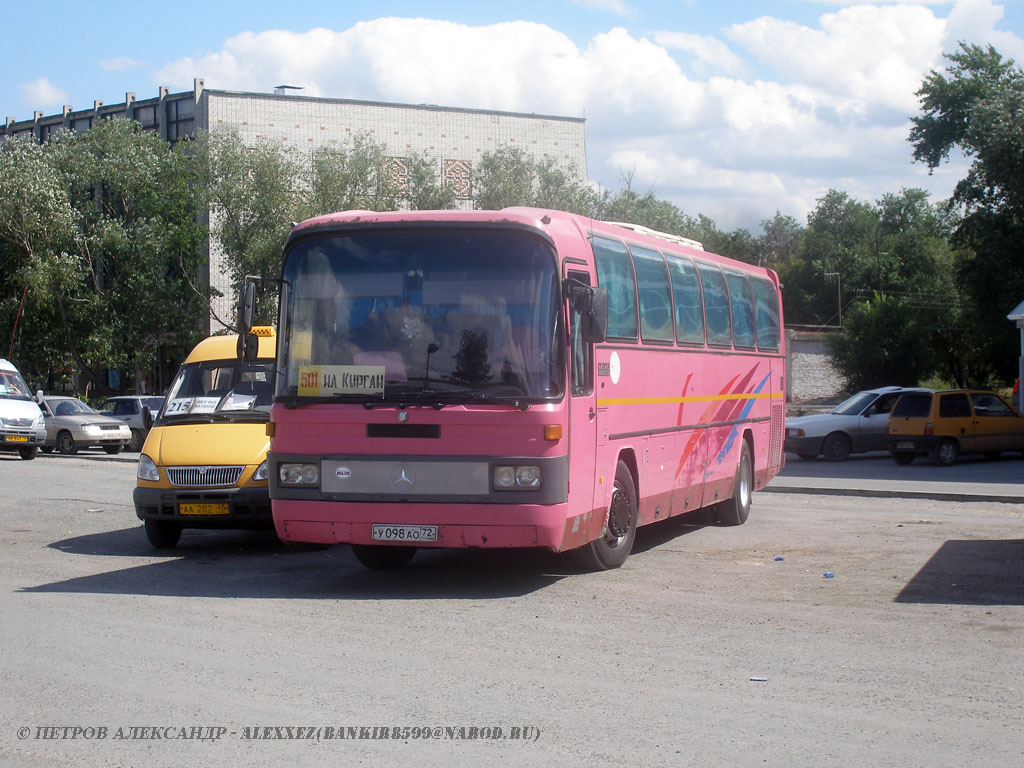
(810, 373)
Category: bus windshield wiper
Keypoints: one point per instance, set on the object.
(484, 397)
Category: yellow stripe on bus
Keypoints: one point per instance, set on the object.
(691, 399)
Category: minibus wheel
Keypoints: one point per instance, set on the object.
(162, 534)
(382, 557)
(612, 548)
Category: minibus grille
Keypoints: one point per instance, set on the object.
(203, 477)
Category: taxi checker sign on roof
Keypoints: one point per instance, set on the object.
(325, 380)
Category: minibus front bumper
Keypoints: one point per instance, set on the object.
(202, 508)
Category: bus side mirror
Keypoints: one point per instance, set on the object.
(246, 300)
(595, 329)
(248, 347)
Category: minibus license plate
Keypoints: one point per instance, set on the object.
(17, 439)
(405, 533)
(905, 445)
(203, 509)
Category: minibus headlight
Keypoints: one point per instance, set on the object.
(524, 478)
(147, 469)
(262, 472)
(307, 475)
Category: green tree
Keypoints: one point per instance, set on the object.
(881, 344)
(977, 107)
(508, 176)
(780, 241)
(111, 260)
(37, 232)
(253, 193)
(356, 176)
(426, 192)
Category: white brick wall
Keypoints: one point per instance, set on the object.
(445, 134)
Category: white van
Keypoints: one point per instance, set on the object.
(22, 427)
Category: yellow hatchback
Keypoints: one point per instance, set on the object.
(945, 424)
(204, 462)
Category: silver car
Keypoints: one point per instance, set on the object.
(71, 424)
(856, 425)
(129, 409)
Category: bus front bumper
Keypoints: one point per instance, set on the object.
(447, 525)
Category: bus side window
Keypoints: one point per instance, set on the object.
(766, 303)
(689, 306)
(655, 295)
(716, 305)
(615, 273)
(742, 311)
(581, 366)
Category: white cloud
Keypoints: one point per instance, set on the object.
(869, 57)
(616, 7)
(120, 64)
(41, 93)
(974, 21)
(711, 54)
(831, 107)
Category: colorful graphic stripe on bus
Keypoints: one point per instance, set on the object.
(744, 412)
(720, 411)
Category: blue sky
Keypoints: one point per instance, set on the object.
(731, 109)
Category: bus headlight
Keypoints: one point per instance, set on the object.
(524, 478)
(307, 475)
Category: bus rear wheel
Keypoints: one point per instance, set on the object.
(736, 510)
(383, 557)
(612, 548)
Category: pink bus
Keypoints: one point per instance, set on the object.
(516, 378)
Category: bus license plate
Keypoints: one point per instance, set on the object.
(203, 509)
(405, 533)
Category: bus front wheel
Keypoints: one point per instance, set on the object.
(616, 540)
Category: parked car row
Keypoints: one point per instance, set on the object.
(910, 422)
(65, 424)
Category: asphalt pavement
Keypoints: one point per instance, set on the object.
(972, 478)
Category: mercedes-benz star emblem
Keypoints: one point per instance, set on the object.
(405, 478)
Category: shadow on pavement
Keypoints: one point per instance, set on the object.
(970, 573)
(254, 564)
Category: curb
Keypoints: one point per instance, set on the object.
(888, 494)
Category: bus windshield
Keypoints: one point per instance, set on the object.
(429, 317)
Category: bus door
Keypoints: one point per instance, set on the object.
(583, 427)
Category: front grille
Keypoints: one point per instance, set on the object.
(18, 422)
(203, 477)
(110, 427)
(432, 431)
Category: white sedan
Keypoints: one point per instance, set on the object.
(856, 425)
